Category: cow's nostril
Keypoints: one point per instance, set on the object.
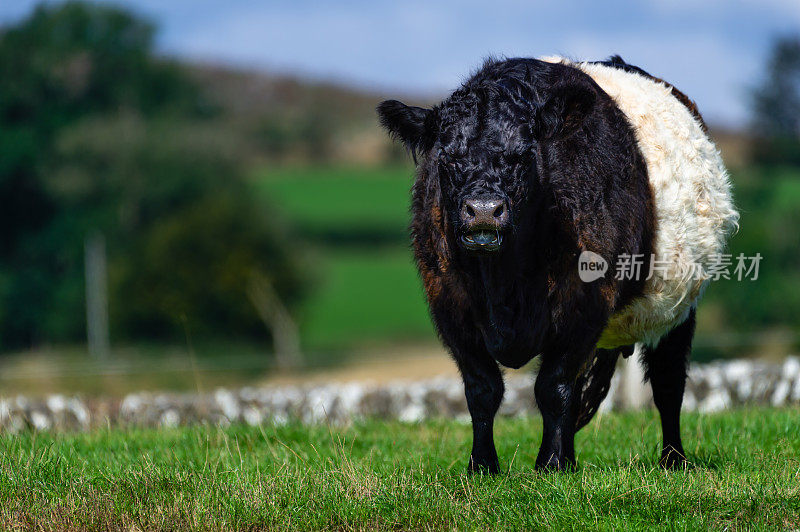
(498, 212)
(470, 211)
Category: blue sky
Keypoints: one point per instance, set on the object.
(711, 49)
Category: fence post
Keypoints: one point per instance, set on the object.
(271, 310)
(96, 295)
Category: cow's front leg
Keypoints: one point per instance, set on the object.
(483, 386)
(556, 395)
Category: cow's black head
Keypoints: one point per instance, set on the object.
(483, 145)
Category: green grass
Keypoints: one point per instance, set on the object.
(374, 475)
(366, 296)
(368, 290)
(326, 200)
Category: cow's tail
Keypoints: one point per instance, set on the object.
(596, 381)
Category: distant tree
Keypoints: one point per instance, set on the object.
(60, 64)
(184, 237)
(99, 133)
(776, 105)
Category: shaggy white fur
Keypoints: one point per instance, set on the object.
(693, 204)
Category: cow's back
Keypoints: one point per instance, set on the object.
(693, 204)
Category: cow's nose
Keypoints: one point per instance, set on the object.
(484, 211)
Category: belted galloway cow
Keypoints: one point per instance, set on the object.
(572, 211)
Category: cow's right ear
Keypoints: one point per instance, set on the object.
(409, 124)
(564, 111)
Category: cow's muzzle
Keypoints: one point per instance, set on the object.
(484, 220)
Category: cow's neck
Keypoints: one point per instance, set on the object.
(510, 309)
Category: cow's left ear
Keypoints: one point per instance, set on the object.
(409, 124)
(563, 112)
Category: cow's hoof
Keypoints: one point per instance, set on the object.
(555, 464)
(483, 467)
(672, 458)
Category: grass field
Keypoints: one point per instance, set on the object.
(366, 295)
(375, 475)
(368, 291)
(324, 200)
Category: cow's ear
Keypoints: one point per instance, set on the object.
(409, 124)
(564, 112)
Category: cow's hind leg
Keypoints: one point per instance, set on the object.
(596, 381)
(665, 367)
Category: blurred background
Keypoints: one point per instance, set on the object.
(196, 193)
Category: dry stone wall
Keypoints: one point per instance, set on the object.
(710, 387)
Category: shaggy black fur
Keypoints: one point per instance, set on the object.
(554, 146)
(666, 367)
